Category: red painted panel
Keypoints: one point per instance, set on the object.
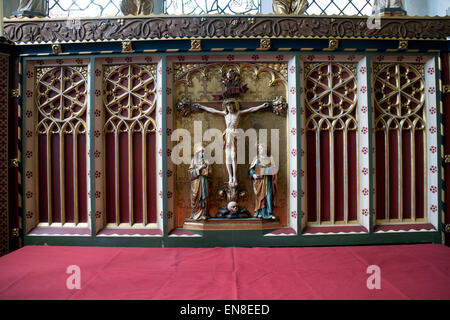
(123, 177)
(110, 174)
(123, 181)
(82, 179)
(151, 178)
(420, 174)
(380, 183)
(311, 175)
(68, 178)
(406, 172)
(353, 171)
(393, 174)
(42, 178)
(325, 175)
(339, 175)
(137, 178)
(55, 178)
(394, 183)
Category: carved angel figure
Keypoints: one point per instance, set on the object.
(289, 6)
(136, 7)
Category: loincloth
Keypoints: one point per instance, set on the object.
(230, 137)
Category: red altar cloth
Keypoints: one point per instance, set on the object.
(407, 272)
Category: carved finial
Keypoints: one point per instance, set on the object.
(136, 7)
(196, 45)
(56, 49)
(289, 6)
(446, 89)
(127, 46)
(333, 44)
(403, 45)
(264, 44)
(15, 93)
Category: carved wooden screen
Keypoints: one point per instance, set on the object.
(60, 124)
(400, 140)
(331, 125)
(130, 101)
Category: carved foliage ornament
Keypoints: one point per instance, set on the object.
(214, 27)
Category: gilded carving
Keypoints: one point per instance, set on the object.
(403, 45)
(129, 98)
(61, 101)
(331, 99)
(399, 92)
(56, 49)
(196, 45)
(127, 47)
(264, 44)
(333, 44)
(200, 87)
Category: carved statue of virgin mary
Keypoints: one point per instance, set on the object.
(199, 171)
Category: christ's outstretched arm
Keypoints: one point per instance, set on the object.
(254, 109)
(208, 109)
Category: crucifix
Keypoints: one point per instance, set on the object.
(231, 115)
(231, 112)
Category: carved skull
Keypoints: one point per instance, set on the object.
(232, 206)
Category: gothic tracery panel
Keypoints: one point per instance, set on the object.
(331, 143)
(61, 102)
(130, 101)
(400, 138)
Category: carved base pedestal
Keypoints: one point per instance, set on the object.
(241, 212)
(232, 224)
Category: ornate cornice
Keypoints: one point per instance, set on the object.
(48, 31)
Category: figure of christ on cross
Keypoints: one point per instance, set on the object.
(231, 114)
